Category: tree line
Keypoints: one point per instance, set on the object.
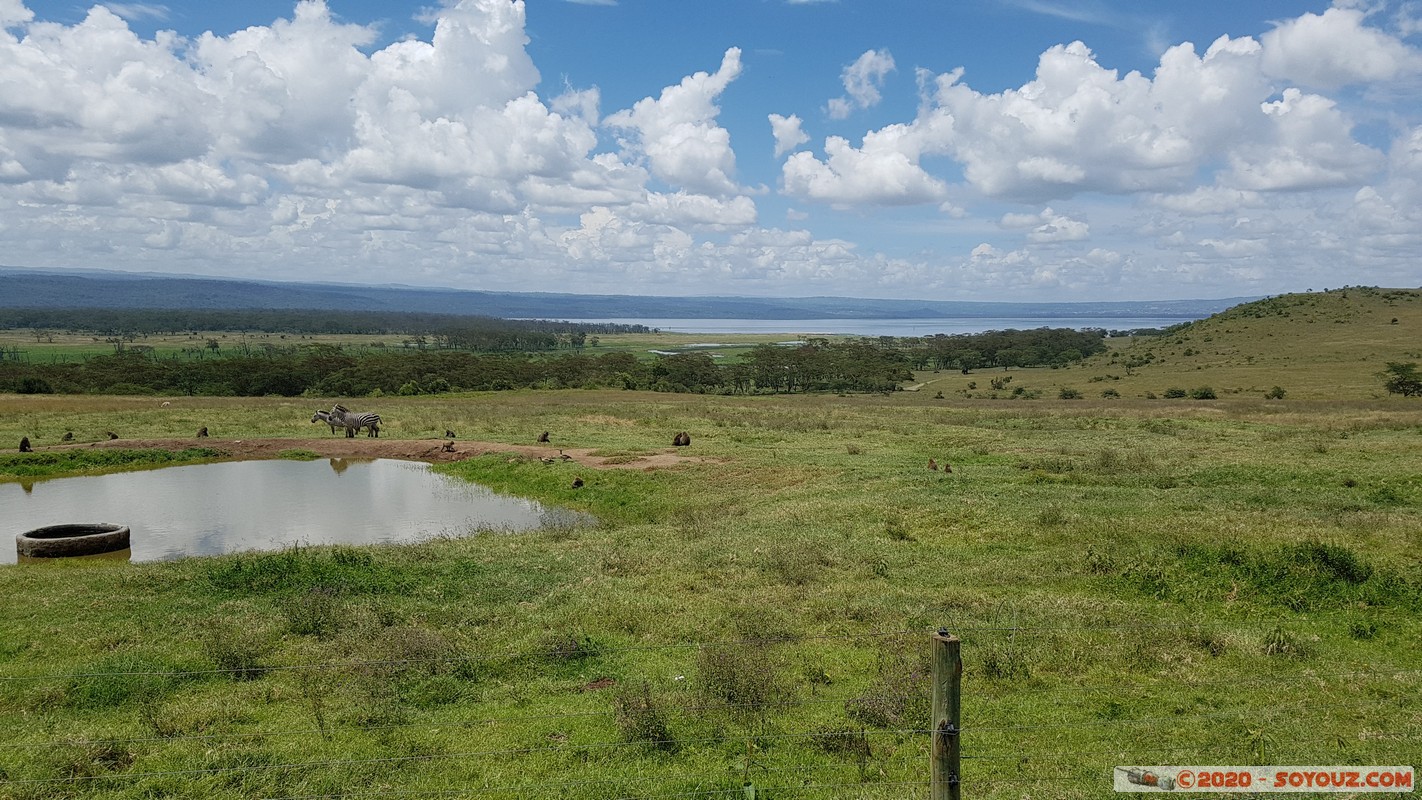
(327, 370)
(813, 365)
(1035, 347)
(438, 330)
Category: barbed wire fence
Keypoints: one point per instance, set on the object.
(974, 714)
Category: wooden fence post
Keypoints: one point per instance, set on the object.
(947, 717)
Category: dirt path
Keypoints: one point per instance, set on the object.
(431, 450)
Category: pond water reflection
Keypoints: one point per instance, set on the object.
(209, 509)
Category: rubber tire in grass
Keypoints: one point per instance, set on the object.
(81, 539)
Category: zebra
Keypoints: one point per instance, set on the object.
(354, 422)
(326, 417)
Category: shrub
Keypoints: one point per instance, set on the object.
(1403, 378)
(559, 648)
(1276, 393)
(32, 385)
(747, 678)
(238, 649)
(1362, 629)
(319, 612)
(640, 721)
(1202, 393)
(843, 741)
(1175, 393)
(1004, 662)
(1110, 393)
(899, 698)
(1069, 394)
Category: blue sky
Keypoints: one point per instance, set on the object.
(999, 150)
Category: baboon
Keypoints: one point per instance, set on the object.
(202, 432)
(25, 445)
(449, 434)
(543, 438)
(577, 483)
(947, 468)
(67, 437)
(448, 447)
(933, 465)
(682, 439)
(113, 435)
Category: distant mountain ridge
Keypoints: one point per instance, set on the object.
(34, 288)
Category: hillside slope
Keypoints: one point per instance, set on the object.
(1330, 345)
(1327, 344)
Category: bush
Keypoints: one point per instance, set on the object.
(640, 721)
(236, 648)
(1110, 393)
(1276, 393)
(562, 648)
(319, 612)
(1174, 393)
(1403, 378)
(747, 678)
(1202, 393)
(900, 697)
(1069, 394)
(32, 385)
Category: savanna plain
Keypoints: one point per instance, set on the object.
(1137, 576)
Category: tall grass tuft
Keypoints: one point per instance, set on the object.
(745, 678)
(237, 648)
(640, 720)
(899, 698)
(120, 680)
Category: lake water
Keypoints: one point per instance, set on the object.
(208, 509)
(891, 327)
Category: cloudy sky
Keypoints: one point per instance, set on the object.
(993, 150)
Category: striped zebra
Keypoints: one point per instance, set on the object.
(353, 422)
(325, 416)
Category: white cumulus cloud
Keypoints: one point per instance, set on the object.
(678, 134)
(787, 132)
(1334, 49)
(1048, 226)
(862, 81)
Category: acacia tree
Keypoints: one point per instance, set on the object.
(1403, 378)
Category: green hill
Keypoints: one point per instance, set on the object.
(1328, 345)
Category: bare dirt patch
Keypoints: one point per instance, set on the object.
(431, 450)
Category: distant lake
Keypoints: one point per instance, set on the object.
(891, 327)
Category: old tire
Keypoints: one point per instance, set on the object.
(61, 541)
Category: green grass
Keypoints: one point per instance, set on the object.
(1234, 581)
(21, 466)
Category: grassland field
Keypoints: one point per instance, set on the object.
(1135, 581)
(54, 346)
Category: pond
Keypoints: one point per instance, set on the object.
(209, 509)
